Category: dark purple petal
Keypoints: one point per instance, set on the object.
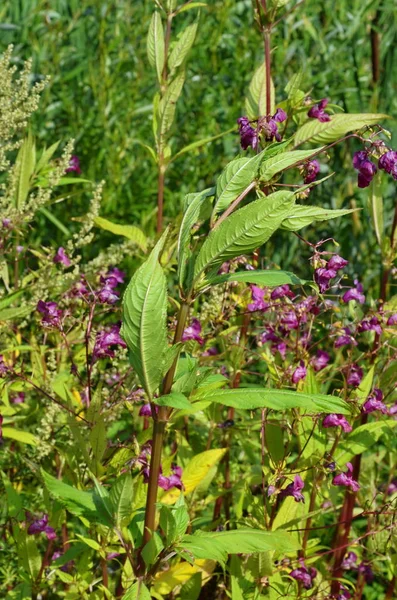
(336, 262)
(355, 375)
(281, 291)
(337, 420)
(294, 489)
(310, 171)
(392, 320)
(280, 115)
(388, 163)
(74, 165)
(248, 135)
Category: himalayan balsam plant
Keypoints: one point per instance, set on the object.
(211, 440)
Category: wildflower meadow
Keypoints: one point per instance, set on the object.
(198, 300)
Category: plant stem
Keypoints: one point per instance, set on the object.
(268, 79)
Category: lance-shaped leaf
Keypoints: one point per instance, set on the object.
(144, 320)
(270, 167)
(234, 179)
(24, 169)
(182, 46)
(255, 102)
(244, 230)
(121, 498)
(251, 398)
(270, 278)
(78, 502)
(323, 133)
(131, 232)
(167, 107)
(375, 203)
(194, 205)
(155, 44)
(305, 215)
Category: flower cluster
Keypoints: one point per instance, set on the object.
(304, 575)
(41, 526)
(317, 111)
(367, 169)
(105, 341)
(165, 482)
(267, 126)
(328, 271)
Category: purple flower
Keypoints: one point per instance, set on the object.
(107, 295)
(6, 223)
(18, 398)
(104, 340)
(346, 339)
(343, 593)
(41, 526)
(355, 293)
(269, 125)
(174, 480)
(322, 277)
(366, 168)
(113, 277)
(281, 291)
(366, 570)
(299, 373)
(248, 135)
(294, 489)
(371, 324)
(62, 257)
(19, 249)
(258, 302)
(375, 402)
(279, 116)
(355, 375)
(346, 479)
(270, 490)
(392, 320)
(3, 367)
(146, 410)
(310, 170)
(51, 313)
(393, 409)
(317, 111)
(226, 424)
(74, 165)
(192, 332)
(349, 561)
(388, 163)
(112, 555)
(320, 361)
(290, 321)
(392, 488)
(304, 575)
(79, 289)
(336, 263)
(337, 420)
(212, 351)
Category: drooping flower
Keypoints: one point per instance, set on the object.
(317, 111)
(392, 488)
(74, 165)
(3, 367)
(258, 303)
(299, 373)
(6, 223)
(349, 561)
(248, 135)
(18, 398)
(346, 479)
(375, 402)
(336, 263)
(320, 361)
(41, 526)
(226, 424)
(355, 375)
(310, 171)
(212, 351)
(294, 489)
(52, 315)
(107, 295)
(113, 277)
(366, 570)
(337, 420)
(371, 324)
(365, 167)
(282, 291)
(62, 257)
(269, 125)
(392, 320)
(304, 574)
(289, 320)
(79, 289)
(346, 339)
(322, 277)
(192, 332)
(393, 409)
(388, 163)
(343, 593)
(355, 293)
(146, 410)
(105, 339)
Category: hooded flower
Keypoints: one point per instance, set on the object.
(289, 320)
(51, 313)
(299, 373)
(62, 257)
(41, 526)
(371, 324)
(248, 135)
(282, 291)
(320, 361)
(146, 410)
(269, 125)
(322, 277)
(366, 168)
(345, 339)
(294, 489)
(392, 320)
(350, 561)
(317, 111)
(355, 375)
(192, 332)
(366, 570)
(105, 339)
(18, 398)
(336, 263)
(388, 163)
(375, 402)
(304, 574)
(258, 302)
(74, 165)
(3, 367)
(355, 293)
(310, 171)
(346, 479)
(337, 420)
(107, 295)
(113, 277)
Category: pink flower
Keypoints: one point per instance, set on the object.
(294, 489)
(375, 402)
(355, 293)
(321, 360)
(299, 373)
(392, 320)
(74, 165)
(355, 375)
(258, 302)
(61, 257)
(337, 420)
(105, 339)
(346, 479)
(281, 291)
(192, 332)
(317, 111)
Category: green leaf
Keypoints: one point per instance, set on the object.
(363, 438)
(77, 502)
(24, 169)
(15, 313)
(131, 232)
(270, 167)
(302, 216)
(98, 442)
(168, 524)
(181, 516)
(190, 218)
(167, 107)
(255, 102)
(268, 278)
(244, 230)
(182, 46)
(138, 591)
(375, 203)
(234, 179)
(14, 500)
(187, 6)
(200, 143)
(28, 553)
(20, 436)
(103, 504)
(155, 44)
(152, 549)
(121, 499)
(212, 545)
(295, 94)
(48, 214)
(174, 400)
(10, 298)
(144, 320)
(46, 156)
(339, 125)
(251, 398)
